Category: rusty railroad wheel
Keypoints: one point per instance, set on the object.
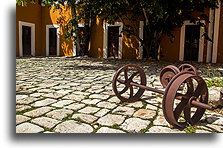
(122, 79)
(188, 67)
(167, 73)
(177, 107)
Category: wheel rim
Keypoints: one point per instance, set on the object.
(188, 67)
(167, 73)
(173, 111)
(124, 77)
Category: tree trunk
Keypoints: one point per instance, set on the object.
(151, 41)
(77, 40)
(86, 36)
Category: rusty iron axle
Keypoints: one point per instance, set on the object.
(192, 103)
(184, 90)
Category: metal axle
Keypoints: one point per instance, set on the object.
(193, 103)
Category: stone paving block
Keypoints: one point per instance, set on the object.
(152, 106)
(111, 120)
(59, 114)
(137, 104)
(109, 130)
(62, 103)
(21, 119)
(99, 96)
(22, 107)
(74, 84)
(134, 125)
(74, 97)
(214, 120)
(123, 110)
(102, 112)
(89, 110)
(64, 92)
(81, 93)
(90, 101)
(71, 126)
(27, 100)
(75, 106)
(38, 112)
(114, 100)
(160, 120)
(53, 95)
(85, 117)
(144, 114)
(44, 102)
(45, 122)
(36, 95)
(45, 90)
(107, 105)
(210, 127)
(202, 131)
(28, 128)
(60, 87)
(18, 97)
(161, 129)
(95, 90)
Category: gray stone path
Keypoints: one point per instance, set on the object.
(74, 95)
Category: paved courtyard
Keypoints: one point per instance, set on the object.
(74, 95)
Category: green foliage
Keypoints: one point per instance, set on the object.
(190, 129)
(24, 2)
(218, 82)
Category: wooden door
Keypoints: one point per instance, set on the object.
(52, 41)
(113, 41)
(191, 45)
(26, 40)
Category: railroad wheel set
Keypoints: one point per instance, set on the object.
(185, 97)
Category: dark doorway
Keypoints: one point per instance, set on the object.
(26, 40)
(191, 45)
(113, 41)
(52, 41)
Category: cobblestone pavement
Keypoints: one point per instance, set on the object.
(74, 95)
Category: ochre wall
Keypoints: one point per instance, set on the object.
(96, 39)
(30, 14)
(42, 16)
(60, 17)
(129, 45)
(169, 51)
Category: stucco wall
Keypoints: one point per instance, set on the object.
(30, 14)
(42, 16)
(129, 45)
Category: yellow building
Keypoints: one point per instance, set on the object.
(40, 33)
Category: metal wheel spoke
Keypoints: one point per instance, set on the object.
(121, 81)
(124, 90)
(131, 91)
(180, 107)
(180, 96)
(133, 75)
(187, 114)
(199, 90)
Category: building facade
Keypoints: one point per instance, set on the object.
(40, 33)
